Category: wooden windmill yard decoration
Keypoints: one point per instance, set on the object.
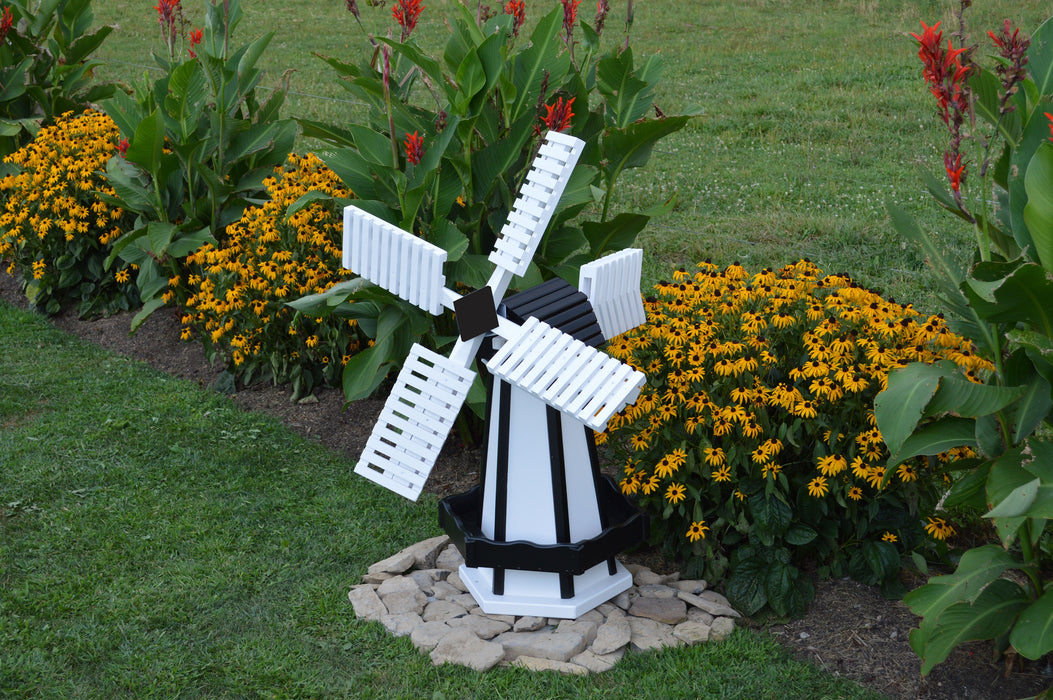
(540, 531)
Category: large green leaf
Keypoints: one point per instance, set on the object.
(1034, 134)
(935, 438)
(989, 616)
(1032, 635)
(542, 57)
(614, 234)
(146, 144)
(1038, 212)
(628, 97)
(978, 568)
(1012, 292)
(971, 400)
(631, 146)
(901, 405)
(1040, 58)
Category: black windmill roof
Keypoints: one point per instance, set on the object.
(561, 306)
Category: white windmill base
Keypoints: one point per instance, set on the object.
(540, 533)
(537, 593)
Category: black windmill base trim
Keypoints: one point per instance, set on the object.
(461, 515)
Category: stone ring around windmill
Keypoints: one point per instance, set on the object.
(540, 531)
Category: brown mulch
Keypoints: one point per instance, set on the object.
(850, 630)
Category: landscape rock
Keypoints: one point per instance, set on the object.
(529, 623)
(449, 558)
(377, 578)
(669, 611)
(395, 564)
(721, 628)
(711, 602)
(483, 627)
(425, 553)
(598, 663)
(542, 644)
(656, 590)
(538, 664)
(444, 590)
(645, 577)
(454, 579)
(405, 602)
(585, 627)
(691, 586)
(440, 610)
(612, 635)
(648, 634)
(428, 634)
(397, 584)
(367, 603)
(691, 632)
(464, 648)
(401, 624)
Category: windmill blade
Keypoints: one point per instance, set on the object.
(612, 285)
(536, 203)
(413, 425)
(393, 259)
(566, 374)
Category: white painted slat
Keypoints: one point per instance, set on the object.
(545, 178)
(396, 260)
(612, 285)
(414, 423)
(597, 388)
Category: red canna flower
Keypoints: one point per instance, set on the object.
(516, 8)
(1012, 47)
(1050, 118)
(414, 147)
(406, 13)
(195, 38)
(557, 115)
(570, 16)
(170, 17)
(122, 148)
(955, 170)
(6, 22)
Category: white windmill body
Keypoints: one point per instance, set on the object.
(540, 532)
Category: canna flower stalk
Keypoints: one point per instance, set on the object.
(1012, 47)
(603, 8)
(406, 13)
(170, 17)
(6, 22)
(414, 146)
(516, 8)
(557, 116)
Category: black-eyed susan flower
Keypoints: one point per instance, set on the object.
(818, 487)
(939, 528)
(675, 493)
(697, 531)
(889, 537)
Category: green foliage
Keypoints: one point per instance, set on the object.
(199, 144)
(54, 231)
(752, 445)
(237, 290)
(1003, 303)
(46, 67)
(449, 138)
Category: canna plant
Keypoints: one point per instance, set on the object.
(753, 445)
(1002, 592)
(45, 65)
(199, 145)
(448, 138)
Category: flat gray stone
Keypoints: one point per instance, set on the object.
(405, 602)
(612, 635)
(648, 634)
(711, 602)
(377, 578)
(542, 644)
(395, 564)
(442, 610)
(699, 615)
(533, 663)
(721, 628)
(621, 600)
(425, 553)
(483, 627)
(645, 577)
(397, 584)
(507, 619)
(690, 632)
(585, 627)
(449, 558)
(598, 663)
(401, 624)
(607, 608)
(424, 581)
(428, 634)
(668, 611)
(656, 590)
(691, 586)
(529, 623)
(465, 600)
(464, 648)
(593, 616)
(367, 603)
(454, 579)
(444, 590)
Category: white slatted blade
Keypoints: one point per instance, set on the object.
(612, 285)
(393, 259)
(566, 374)
(537, 201)
(414, 423)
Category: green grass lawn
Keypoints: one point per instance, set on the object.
(157, 541)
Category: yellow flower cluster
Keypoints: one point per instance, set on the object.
(238, 290)
(54, 227)
(767, 380)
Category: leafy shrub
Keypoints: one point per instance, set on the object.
(450, 135)
(238, 289)
(1001, 592)
(754, 435)
(54, 230)
(45, 65)
(199, 146)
